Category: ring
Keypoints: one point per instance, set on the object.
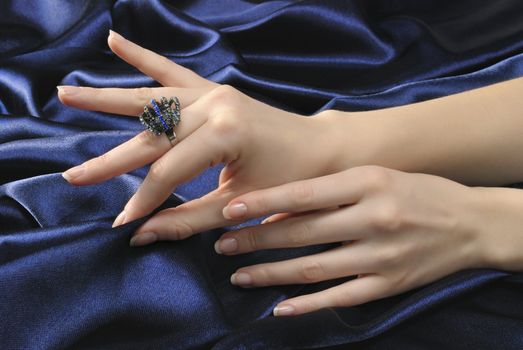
(161, 117)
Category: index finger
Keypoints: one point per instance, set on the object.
(158, 67)
(187, 159)
(343, 188)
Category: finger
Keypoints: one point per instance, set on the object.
(158, 67)
(276, 217)
(184, 161)
(345, 260)
(282, 216)
(198, 215)
(123, 101)
(346, 187)
(136, 152)
(354, 292)
(348, 223)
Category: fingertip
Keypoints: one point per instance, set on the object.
(111, 42)
(114, 39)
(67, 91)
(267, 220)
(234, 211)
(142, 239)
(284, 310)
(120, 219)
(59, 94)
(112, 36)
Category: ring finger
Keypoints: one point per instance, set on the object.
(338, 262)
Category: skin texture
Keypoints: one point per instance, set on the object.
(392, 225)
(472, 137)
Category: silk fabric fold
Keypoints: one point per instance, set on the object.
(68, 280)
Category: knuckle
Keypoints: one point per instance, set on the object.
(301, 194)
(143, 94)
(225, 123)
(157, 172)
(182, 229)
(388, 256)
(376, 178)
(225, 94)
(388, 217)
(252, 240)
(342, 298)
(261, 275)
(163, 64)
(101, 161)
(298, 234)
(312, 271)
(260, 204)
(401, 280)
(146, 139)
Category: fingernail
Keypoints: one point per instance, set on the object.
(241, 278)
(283, 310)
(234, 211)
(68, 90)
(73, 173)
(266, 220)
(119, 219)
(226, 245)
(115, 36)
(143, 239)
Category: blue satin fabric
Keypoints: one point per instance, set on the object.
(67, 280)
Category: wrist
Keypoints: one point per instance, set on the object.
(354, 138)
(499, 227)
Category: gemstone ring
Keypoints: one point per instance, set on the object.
(162, 117)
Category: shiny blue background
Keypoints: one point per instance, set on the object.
(67, 280)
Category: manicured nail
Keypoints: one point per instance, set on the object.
(115, 36)
(143, 239)
(73, 173)
(68, 90)
(234, 211)
(241, 278)
(283, 310)
(226, 245)
(266, 220)
(119, 219)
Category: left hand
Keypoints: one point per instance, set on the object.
(397, 231)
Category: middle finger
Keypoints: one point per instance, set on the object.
(123, 101)
(336, 225)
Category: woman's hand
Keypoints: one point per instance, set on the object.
(261, 146)
(397, 231)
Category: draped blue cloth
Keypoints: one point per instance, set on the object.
(67, 280)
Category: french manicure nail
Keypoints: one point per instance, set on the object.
(68, 90)
(119, 219)
(73, 173)
(143, 239)
(283, 310)
(115, 36)
(226, 245)
(234, 211)
(266, 221)
(241, 278)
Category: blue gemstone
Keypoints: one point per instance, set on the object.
(159, 113)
